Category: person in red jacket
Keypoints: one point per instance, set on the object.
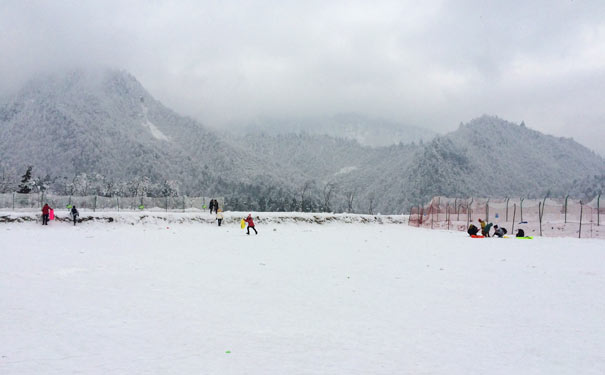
(45, 213)
(250, 224)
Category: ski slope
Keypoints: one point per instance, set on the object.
(299, 298)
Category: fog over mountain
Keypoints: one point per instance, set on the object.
(430, 64)
(366, 130)
(105, 128)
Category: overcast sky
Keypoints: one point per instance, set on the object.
(427, 63)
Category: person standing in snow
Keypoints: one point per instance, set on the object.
(219, 217)
(45, 213)
(486, 229)
(482, 223)
(250, 224)
(74, 214)
(211, 205)
(215, 206)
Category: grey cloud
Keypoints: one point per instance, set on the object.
(431, 64)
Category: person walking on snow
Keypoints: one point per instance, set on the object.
(219, 216)
(45, 213)
(211, 205)
(74, 214)
(250, 224)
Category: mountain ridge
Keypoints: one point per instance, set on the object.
(107, 125)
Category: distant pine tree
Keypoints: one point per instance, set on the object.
(25, 185)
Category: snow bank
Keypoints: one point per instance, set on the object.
(230, 217)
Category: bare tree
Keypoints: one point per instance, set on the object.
(329, 189)
(371, 199)
(306, 186)
(350, 197)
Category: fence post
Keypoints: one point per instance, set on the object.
(183, 203)
(94, 207)
(580, 230)
(566, 208)
(487, 210)
(521, 207)
(447, 210)
(507, 199)
(468, 215)
(13, 201)
(540, 210)
(118, 202)
(598, 211)
(514, 213)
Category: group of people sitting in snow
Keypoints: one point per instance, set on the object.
(486, 228)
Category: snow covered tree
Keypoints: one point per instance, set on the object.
(25, 187)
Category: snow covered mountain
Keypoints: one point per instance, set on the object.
(486, 157)
(105, 124)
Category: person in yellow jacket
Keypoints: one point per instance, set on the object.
(483, 223)
(219, 216)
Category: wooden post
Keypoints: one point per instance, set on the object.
(487, 211)
(580, 230)
(13, 201)
(166, 203)
(598, 211)
(521, 207)
(447, 210)
(94, 207)
(514, 213)
(540, 210)
(566, 208)
(118, 202)
(507, 199)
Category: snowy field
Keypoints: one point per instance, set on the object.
(299, 298)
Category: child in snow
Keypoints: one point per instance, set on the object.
(74, 214)
(520, 233)
(250, 224)
(486, 229)
(219, 216)
(472, 230)
(45, 213)
(499, 231)
(482, 223)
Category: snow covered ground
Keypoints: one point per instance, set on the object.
(163, 297)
